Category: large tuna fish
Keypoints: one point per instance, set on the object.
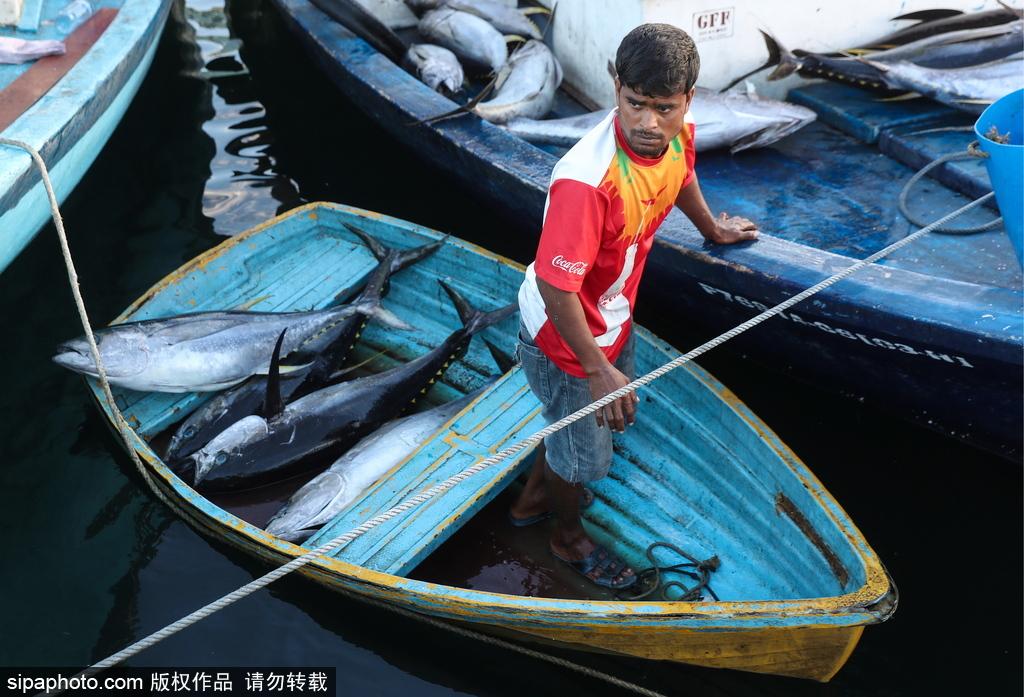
(259, 449)
(722, 120)
(525, 87)
(324, 352)
(204, 351)
(472, 39)
(329, 493)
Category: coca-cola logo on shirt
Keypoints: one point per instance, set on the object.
(576, 267)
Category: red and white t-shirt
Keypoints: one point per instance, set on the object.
(604, 204)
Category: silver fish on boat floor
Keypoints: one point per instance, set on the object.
(733, 120)
(958, 49)
(526, 86)
(468, 36)
(196, 353)
(329, 493)
(969, 89)
(424, 5)
(507, 19)
(436, 66)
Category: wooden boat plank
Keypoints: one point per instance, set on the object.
(44, 73)
(503, 414)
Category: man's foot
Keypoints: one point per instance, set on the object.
(601, 567)
(525, 512)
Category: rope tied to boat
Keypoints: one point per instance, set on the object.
(424, 496)
(973, 151)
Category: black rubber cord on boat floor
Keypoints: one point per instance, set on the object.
(971, 152)
(652, 576)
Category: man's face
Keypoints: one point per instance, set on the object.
(650, 123)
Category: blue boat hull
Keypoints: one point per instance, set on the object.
(946, 353)
(70, 124)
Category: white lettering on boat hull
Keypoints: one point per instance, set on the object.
(874, 342)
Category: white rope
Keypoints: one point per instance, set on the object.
(123, 429)
(447, 484)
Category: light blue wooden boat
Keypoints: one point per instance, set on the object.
(797, 581)
(72, 121)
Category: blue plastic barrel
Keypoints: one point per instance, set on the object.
(1005, 163)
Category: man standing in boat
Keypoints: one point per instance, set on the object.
(607, 197)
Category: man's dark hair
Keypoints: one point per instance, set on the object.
(657, 60)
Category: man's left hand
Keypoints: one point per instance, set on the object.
(729, 229)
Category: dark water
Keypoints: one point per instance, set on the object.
(92, 562)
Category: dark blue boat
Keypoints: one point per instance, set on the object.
(933, 333)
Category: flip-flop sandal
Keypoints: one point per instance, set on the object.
(601, 568)
(586, 501)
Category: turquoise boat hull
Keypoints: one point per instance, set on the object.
(72, 121)
(797, 582)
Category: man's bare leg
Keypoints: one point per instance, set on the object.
(533, 500)
(569, 539)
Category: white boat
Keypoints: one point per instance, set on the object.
(727, 34)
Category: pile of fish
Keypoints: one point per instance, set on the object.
(276, 421)
(475, 33)
(733, 120)
(964, 60)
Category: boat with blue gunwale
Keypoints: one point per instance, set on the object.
(66, 106)
(797, 582)
(932, 333)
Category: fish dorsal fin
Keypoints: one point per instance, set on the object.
(928, 15)
(411, 256)
(501, 359)
(272, 403)
(378, 250)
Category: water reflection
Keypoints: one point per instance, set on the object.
(245, 186)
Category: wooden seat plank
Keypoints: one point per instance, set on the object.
(502, 415)
(32, 84)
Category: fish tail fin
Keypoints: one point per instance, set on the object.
(475, 320)
(408, 257)
(778, 56)
(551, 20)
(391, 261)
(272, 403)
(503, 360)
(379, 251)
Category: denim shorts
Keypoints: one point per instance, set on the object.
(582, 451)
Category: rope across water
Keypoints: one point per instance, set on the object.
(437, 489)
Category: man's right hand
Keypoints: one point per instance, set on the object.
(621, 412)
